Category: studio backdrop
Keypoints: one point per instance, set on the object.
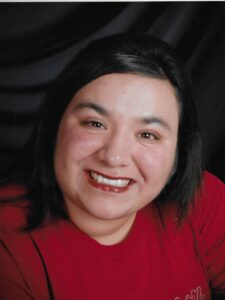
(37, 40)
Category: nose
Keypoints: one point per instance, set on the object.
(116, 151)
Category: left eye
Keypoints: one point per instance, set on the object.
(148, 135)
(96, 124)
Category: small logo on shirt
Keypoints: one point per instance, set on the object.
(195, 294)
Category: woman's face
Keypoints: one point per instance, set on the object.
(116, 145)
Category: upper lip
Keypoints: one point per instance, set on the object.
(111, 176)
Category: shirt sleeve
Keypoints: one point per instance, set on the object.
(210, 224)
(12, 285)
(22, 270)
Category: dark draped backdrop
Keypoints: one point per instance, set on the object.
(37, 40)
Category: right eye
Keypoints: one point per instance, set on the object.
(93, 123)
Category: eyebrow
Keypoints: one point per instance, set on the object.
(97, 108)
(156, 120)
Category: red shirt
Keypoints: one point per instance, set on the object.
(158, 260)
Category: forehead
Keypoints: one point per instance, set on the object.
(130, 91)
(116, 80)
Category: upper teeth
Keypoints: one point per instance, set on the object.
(112, 182)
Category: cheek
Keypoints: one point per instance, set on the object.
(157, 161)
(76, 145)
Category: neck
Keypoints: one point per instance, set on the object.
(105, 232)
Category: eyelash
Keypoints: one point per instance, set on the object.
(93, 123)
(148, 135)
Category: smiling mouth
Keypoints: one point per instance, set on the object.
(109, 184)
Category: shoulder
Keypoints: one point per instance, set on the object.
(211, 197)
(208, 211)
(13, 207)
(208, 223)
(212, 183)
(12, 191)
(21, 264)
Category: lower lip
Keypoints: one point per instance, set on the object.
(107, 188)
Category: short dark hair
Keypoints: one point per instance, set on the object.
(121, 53)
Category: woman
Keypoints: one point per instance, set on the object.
(117, 205)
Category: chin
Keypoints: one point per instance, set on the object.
(108, 213)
